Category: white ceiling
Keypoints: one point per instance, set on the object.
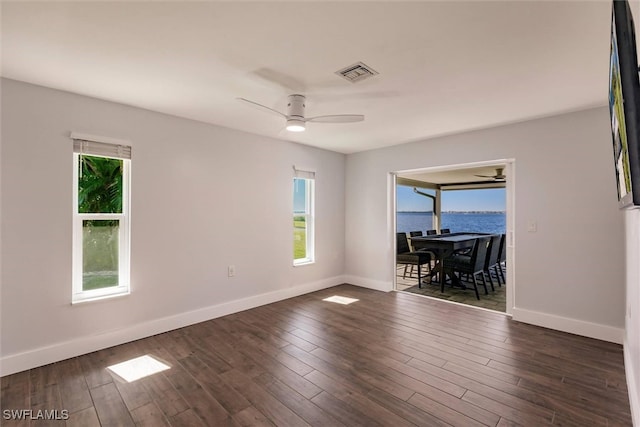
(456, 176)
(445, 67)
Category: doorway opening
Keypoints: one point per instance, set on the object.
(462, 217)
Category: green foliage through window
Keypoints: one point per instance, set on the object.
(100, 185)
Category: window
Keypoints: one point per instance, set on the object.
(303, 229)
(100, 220)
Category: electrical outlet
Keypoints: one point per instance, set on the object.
(232, 270)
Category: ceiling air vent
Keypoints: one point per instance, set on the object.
(356, 72)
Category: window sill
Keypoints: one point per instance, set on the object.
(97, 298)
(303, 262)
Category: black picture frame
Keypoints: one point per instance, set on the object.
(624, 98)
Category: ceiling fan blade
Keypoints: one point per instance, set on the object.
(262, 107)
(338, 118)
(485, 176)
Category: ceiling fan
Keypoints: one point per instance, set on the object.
(499, 176)
(296, 121)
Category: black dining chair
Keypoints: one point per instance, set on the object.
(502, 259)
(432, 232)
(470, 264)
(405, 256)
(491, 259)
(445, 231)
(413, 234)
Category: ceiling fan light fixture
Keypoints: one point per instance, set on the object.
(295, 117)
(295, 125)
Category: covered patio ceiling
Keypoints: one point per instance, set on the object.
(454, 179)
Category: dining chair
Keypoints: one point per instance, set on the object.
(431, 232)
(405, 256)
(491, 259)
(470, 264)
(502, 259)
(445, 231)
(413, 234)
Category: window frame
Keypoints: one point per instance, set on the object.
(309, 221)
(79, 295)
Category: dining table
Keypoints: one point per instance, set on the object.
(443, 246)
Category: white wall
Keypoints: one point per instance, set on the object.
(632, 324)
(632, 337)
(570, 274)
(203, 197)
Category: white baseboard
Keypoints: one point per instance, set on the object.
(632, 386)
(363, 282)
(64, 350)
(566, 324)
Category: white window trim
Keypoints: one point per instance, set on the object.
(309, 223)
(78, 295)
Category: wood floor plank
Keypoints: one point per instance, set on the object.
(271, 351)
(225, 349)
(481, 373)
(444, 412)
(274, 326)
(84, 418)
(237, 324)
(498, 391)
(206, 407)
(587, 407)
(73, 386)
(395, 383)
(149, 415)
(388, 359)
(519, 415)
(133, 394)
(279, 370)
(507, 423)
(357, 400)
(186, 418)
(94, 368)
(276, 411)
(347, 377)
(251, 417)
(43, 376)
(299, 404)
(16, 396)
(341, 410)
(109, 406)
(226, 395)
(153, 347)
(406, 410)
(45, 396)
(166, 397)
(175, 343)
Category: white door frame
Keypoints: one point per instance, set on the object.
(510, 171)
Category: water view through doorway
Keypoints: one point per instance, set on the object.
(469, 210)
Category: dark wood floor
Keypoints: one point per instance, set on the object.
(390, 359)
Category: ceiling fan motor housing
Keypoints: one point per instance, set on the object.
(295, 107)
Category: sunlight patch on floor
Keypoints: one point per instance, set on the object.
(137, 368)
(341, 300)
